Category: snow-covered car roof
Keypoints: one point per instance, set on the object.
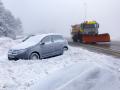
(33, 40)
(37, 38)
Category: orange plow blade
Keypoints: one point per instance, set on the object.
(96, 38)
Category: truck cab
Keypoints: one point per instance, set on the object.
(89, 28)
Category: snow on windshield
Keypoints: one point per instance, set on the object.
(34, 39)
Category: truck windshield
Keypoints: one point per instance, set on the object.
(89, 26)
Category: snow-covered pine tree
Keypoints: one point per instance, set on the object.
(9, 25)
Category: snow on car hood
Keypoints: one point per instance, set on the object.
(23, 45)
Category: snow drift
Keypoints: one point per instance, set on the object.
(81, 76)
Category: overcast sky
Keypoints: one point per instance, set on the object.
(58, 15)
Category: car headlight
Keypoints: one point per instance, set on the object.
(14, 52)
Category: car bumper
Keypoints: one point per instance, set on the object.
(17, 57)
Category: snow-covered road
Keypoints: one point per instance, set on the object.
(23, 74)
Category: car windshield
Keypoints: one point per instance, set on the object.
(26, 38)
(34, 39)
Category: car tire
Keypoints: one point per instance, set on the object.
(65, 48)
(34, 56)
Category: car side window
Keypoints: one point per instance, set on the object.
(46, 40)
(57, 38)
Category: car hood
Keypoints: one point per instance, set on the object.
(23, 45)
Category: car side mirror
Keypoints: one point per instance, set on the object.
(42, 43)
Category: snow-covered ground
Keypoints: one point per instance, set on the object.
(80, 76)
(23, 74)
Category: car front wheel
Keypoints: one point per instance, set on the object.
(34, 56)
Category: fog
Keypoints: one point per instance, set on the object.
(43, 16)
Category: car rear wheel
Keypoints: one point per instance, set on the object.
(65, 48)
(34, 56)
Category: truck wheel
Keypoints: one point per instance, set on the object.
(74, 39)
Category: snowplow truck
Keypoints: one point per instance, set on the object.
(87, 32)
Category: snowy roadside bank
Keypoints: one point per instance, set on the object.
(80, 76)
(22, 74)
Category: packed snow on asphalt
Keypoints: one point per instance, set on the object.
(95, 71)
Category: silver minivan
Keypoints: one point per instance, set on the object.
(39, 47)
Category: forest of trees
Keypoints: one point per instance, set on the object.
(9, 25)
